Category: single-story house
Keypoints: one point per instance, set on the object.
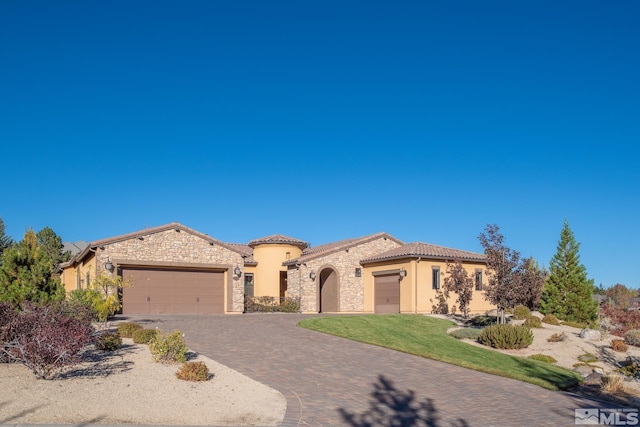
(174, 269)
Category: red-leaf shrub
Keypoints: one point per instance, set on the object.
(622, 320)
(43, 338)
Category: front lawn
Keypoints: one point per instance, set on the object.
(427, 337)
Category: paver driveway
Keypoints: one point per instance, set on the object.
(333, 381)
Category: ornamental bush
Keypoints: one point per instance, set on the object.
(506, 336)
(44, 338)
(550, 319)
(521, 312)
(632, 337)
(143, 336)
(168, 348)
(532, 322)
(126, 329)
(619, 345)
(193, 371)
(107, 341)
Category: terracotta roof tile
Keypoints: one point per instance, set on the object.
(425, 250)
(321, 250)
(246, 251)
(278, 238)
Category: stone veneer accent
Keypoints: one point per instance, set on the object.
(178, 247)
(344, 262)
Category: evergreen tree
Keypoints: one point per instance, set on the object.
(5, 241)
(568, 293)
(26, 274)
(51, 244)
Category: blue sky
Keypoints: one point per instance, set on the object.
(327, 120)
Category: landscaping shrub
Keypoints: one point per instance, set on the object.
(107, 341)
(611, 383)
(506, 336)
(621, 320)
(587, 358)
(630, 368)
(271, 305)
(43, 338)
(557, 337)
(543, 358)
(482, 320)
(632, 337)
(168, 348)
(85, 300)
(619, 345)
(521, 312)
(550, 319)
(469, 333)
(532, 322)
(126, 329)
(143, 336)
(193, 371)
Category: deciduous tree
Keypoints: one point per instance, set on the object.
(461, 283)
(502, 262)
(568, 293)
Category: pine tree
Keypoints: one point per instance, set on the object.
(568, 293)
(26, 274)
(5, 241)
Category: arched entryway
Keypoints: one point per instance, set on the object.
(328, 292)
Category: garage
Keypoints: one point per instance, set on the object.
(387, 294)
(172, 291)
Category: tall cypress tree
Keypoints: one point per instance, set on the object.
(568, 293)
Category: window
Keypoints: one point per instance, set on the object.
(478, 280)
(287, 255)
(248, 284)
(435, 278)
(88, 279)
(78, 281)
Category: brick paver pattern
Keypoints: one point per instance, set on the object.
(330, 381)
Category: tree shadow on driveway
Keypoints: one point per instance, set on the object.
(389, 406)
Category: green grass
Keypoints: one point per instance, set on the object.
(427, 337)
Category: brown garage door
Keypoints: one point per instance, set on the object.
(387, 294)
(172, 291)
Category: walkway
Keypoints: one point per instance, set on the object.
(333, 381)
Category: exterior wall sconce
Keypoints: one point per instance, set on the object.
(403, 273)
(358, 272)
(237, 272)
(312, 275)
(109, 265)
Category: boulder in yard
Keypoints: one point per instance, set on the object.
(590, 335)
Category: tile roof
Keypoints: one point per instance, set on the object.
(321, 250)
(424, 250)
(245, 251)
(279, 238)
(173, 225)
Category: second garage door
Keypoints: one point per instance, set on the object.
(387, 294)
(172, 291)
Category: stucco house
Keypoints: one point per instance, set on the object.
(177, 270)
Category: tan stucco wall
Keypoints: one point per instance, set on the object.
(350, 287)
(179, 249)
(270, 257)
(416, 293)
(69, 275)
